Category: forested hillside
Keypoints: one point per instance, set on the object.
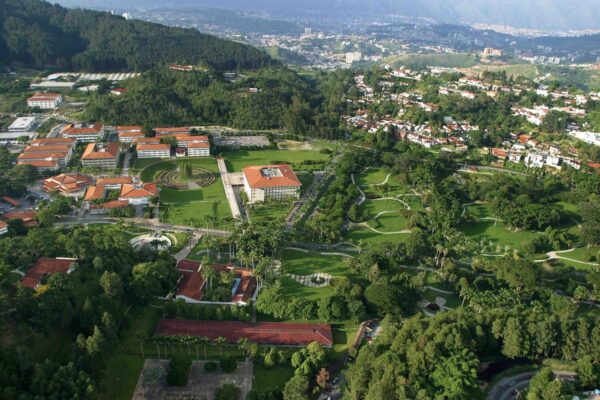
(284, 99)
(38, 34)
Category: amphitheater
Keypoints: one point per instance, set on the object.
(200, 177)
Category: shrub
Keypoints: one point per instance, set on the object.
(227, 364)
(210, 366)
(228, 392)
(179, 368)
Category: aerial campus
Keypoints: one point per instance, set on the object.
(184, 223)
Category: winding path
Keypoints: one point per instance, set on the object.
(554, 255)
(362, 197)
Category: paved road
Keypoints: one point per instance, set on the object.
(144, 223)
(126, 163)
(509, 388)
(229, 193)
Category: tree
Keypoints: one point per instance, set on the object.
(520, 274)
(456, 375)
(204, 341)
(296, 388)
(46, 218)
(220, 342)
(544, 386)
(179, 368)
(588, 373)
(111, 283)
(323, 378)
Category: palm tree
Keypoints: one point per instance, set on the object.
(220, 341)
(244, 345)
(203, 340)
(208, 273)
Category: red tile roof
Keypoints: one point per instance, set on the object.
(27, 216)
(95, 193)
(67, 183)
(3, 224)
(52, 141)
(147, 140)
(270, 333)
(82, 129)
(192, 282)
(257, 177)
(11, 201)
(44, 97)
(96, 151)
(143, 190)
(172, 130)
(48, 164)
(118, 180)
(46, 266)
(153, 147)
(198, 145)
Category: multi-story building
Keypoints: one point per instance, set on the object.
(22, 124)
(45, 101)
(153, 150)
(101, 155)
(86, 133)
(271, 182)
(127, 134)
(198, 150)
(184, 140)
(180, 130)
(48, 154)
(114, 183)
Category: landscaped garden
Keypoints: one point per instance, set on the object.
(191, 191)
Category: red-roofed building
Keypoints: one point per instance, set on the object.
(181, 130)
(146, 140)
(71, 184)
(268, 182)
(105, 208)
(3, 228)
(53, 142)
(45, 100)
(199, 149)
(47, 266)
(191, 284)
(101, 155)
(11, 201)
(499, 153)
(593, 165)
(115, 183)
(97, 192)
(153, 150)
(138, 193)
(28, 217)
(266, 333)
(84, 132)
(129, 133)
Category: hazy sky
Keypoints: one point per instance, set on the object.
(542, 14)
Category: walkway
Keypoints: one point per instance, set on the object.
(229, 193)
(126, 163)
(554, 255)
(185, 251)
(307, 280)
(362, 197)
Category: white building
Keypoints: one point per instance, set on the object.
(588, 137)
(13, 137)
(154, 150)
(198, 150)
(22, 124)
(85, 133)
(353, 57)
(271, 182)
(45, 101)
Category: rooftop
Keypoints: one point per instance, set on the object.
(98, 151)
(46, 266)
(270, 333)
(271, 176)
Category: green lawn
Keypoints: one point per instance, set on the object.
(497, 233)
(239, 159)
(185, 207)
(300, 263)
(270, 212)
(372, 176)
(583, 254)
(271, 379)
(360, 234)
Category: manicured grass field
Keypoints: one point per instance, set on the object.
(361, 234)
(270, 212)
(373, 176)
(268, 380)
(583, 254)
(498, 234)
(187, 207)
(239, 159)
(300, 263)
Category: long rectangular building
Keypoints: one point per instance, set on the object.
(153, 150)
(267, 333)
(271, 182)
(86, 133)
(45, 101)
(101, 155)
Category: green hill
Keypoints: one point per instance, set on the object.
(38, 34)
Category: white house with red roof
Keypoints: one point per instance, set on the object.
(138, 193)
(45, 101)
(86, 133)
(271, 182)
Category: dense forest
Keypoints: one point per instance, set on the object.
(283, 99)
(41, 35)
